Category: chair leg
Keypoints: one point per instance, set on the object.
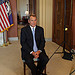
(45, 70)
(24, 68)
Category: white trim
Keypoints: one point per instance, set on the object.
(13, 38)
(48, 39)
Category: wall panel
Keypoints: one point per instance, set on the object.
(13, 30)
(45, 16)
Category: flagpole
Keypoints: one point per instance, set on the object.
(1, 39)
(6, 20)
(5, 38)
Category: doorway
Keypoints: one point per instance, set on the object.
(58, 23)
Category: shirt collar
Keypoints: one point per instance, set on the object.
(32, 28)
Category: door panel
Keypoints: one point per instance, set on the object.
(58, 28)
(68, 33)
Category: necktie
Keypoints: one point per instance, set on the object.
(34, 46)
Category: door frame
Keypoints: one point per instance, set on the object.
(53, 20)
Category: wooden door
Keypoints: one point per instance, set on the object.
(32, 7)
(58, 34)
(68, 24)
(58, 23)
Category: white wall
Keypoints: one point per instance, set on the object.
(22, 7)
(44, 15)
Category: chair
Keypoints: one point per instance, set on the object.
(35, 60)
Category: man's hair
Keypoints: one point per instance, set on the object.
(32, 15)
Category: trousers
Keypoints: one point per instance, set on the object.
(40, 65)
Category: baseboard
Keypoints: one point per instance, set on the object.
(48, 39)
(16, 39)
(13, 38)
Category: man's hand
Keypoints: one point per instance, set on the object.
(33, 53)
(36, 54)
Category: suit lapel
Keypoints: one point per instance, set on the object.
(30, 34)
(29, 31)
(36, 33)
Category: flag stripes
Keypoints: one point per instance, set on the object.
(4, 20)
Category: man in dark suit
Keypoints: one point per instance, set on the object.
(33, 43)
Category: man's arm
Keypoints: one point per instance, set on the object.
(42, 44)
(42, 41)
(23, 41)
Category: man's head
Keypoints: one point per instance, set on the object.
(32, 20)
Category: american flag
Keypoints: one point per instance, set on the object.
(4, 17)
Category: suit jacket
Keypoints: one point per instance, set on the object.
(26, 39)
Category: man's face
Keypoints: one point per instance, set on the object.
(32, 21)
